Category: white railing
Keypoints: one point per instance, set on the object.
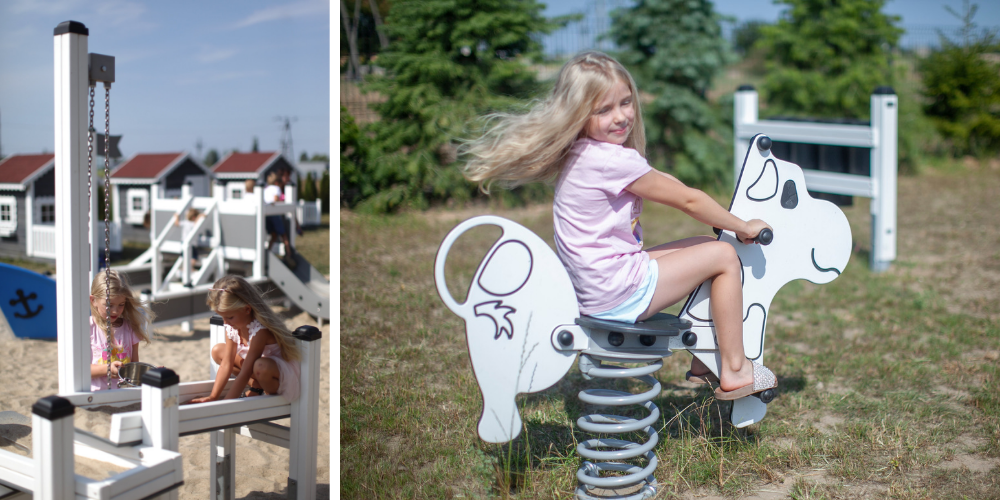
(43, 241)
(309, 212)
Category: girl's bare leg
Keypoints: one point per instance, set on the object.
(685, 264)
(265, 372)
(219, 350)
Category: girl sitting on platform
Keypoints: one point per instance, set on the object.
(259, 350)
(130, 324)
(588, 136)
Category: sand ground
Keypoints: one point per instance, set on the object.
(29, 371)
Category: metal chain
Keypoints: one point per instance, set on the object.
(107, 227)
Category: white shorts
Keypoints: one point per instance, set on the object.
(634, 306)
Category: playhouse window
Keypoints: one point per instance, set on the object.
(8, 215)
(138, 205)
(48, 213)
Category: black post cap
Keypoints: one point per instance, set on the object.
(52, 407)
(160, 378)
(71, 27)
(217, 320)
(307, 333)
(745, 86)
(884, 90)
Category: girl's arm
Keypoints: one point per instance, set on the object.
(102, 370)
(257, 345)
(222, 376)
(667, 190)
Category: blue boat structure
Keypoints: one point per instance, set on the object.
(28, 301)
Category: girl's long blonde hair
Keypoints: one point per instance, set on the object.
(234, 292)
(518, 149)
(136, 314)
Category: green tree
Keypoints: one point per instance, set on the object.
(448, 62)
(307, 188)
(356, 181)
(303, 156)
(962, 90)
(211, 157)
(825, 57)
(674, 49)
(255, 148)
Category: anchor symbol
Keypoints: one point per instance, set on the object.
(24, 301)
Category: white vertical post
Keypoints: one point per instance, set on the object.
(293, 222)
(222, 464)
(884, 166)
(29, 219)
(116, 203)
(52, 448)
(304, 418)
(744, 113)
(258, 263)
(75, 259)
(160, 417)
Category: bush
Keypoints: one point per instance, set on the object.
(448, 62)
(962, 89)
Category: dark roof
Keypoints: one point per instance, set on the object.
(16, 169)
(245, 163)
(146, 166)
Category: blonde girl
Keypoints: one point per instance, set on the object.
(259, 350)
(588, 136)
(130, 324)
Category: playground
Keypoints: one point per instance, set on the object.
(887, 390)
(261, 468)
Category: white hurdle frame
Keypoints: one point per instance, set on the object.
(881, 137)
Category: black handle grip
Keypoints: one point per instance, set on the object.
(765, 237)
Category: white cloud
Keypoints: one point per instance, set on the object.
(300, 9)
(221, 76)
(211, 55)
(121, 12)
(47, 7)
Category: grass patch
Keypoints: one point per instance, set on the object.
(888, 381)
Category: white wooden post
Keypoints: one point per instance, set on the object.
(222, 443)
(293, 222)
(744, 113)
(116, 203)
(222, 464)
(160, 417)
(884, 159)
(29, 219)
(258, 263)
(52, 448)
(304, 421)
(75, 258)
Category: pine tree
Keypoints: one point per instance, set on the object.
(448, 62)
(674, 49)
(825, 57)
(962, 90)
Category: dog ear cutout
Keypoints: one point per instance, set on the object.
(753, 331)
(765, 186)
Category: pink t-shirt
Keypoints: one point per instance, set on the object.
(125, 338)
(597, 231)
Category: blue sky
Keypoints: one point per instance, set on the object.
(219, 71)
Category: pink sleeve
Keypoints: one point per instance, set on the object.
(622, 169)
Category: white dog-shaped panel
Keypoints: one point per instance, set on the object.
(812, 241)
(519, 296)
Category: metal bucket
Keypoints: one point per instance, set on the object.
(130, 374)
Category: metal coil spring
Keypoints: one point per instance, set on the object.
(590, 472)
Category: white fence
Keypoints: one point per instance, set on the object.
(309, 213)
(880, 137)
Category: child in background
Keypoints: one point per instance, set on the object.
(249, 186)
(275, 224)
(259, 350)
(589, 136)
(130, 322)
(187, 225)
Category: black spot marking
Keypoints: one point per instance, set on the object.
(789, 196)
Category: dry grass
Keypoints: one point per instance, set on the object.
(888, 381)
